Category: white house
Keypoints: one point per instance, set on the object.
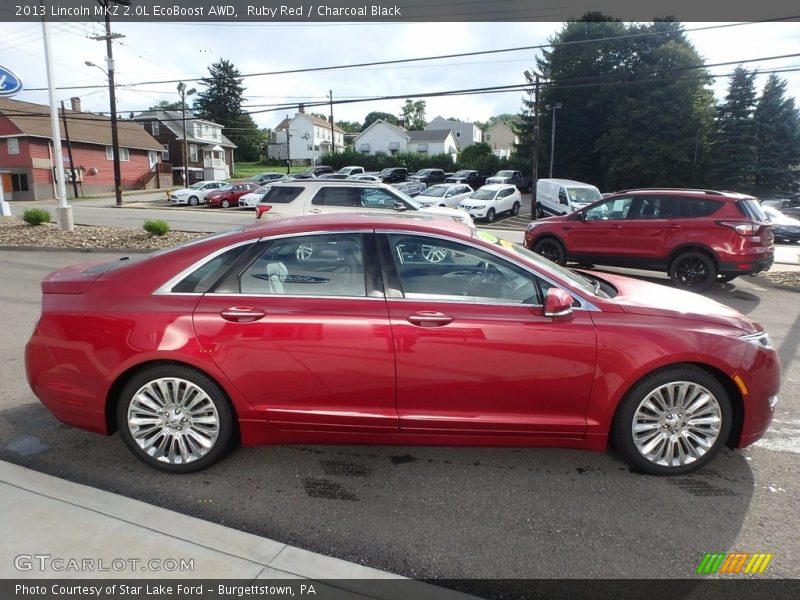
(381, 136)
(465, 134)
(433, 141)
(309, 138)
(501, 138)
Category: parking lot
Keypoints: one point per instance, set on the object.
(448, 512)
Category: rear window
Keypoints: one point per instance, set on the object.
(281, 195)
(751, 208)
(700, 207)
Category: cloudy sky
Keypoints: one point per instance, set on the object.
(168, 51)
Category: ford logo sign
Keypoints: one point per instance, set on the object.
(10, 84)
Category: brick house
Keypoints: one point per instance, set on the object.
(210, 152)
(26, 152)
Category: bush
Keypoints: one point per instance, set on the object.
(36, 216)
(156, 227)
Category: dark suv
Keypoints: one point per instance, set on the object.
(697, 236)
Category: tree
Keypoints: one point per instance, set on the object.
(221, 102)
(472, 153)
(167, 105)
(349, 126)
(506, 118)
(777, 129)
(413, 115)
(378, 116)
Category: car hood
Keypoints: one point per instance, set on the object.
(184, 191)
(461, 215)
(644, 298)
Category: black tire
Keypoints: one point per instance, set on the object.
(551, 249)
(539, 212)
(726, 277)
(515, 209)
(490, 216)
(226, 203)
(212, 403)
(194, 201)
(693, 270)
(690, 377)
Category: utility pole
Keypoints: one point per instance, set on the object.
(555, 107)
(333, 138)
(183, 92)
(108, 37)
(288, 147)
(69, 151)
(535, 180)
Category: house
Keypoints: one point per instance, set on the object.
(384, 137)
(210, 153)
(465, 134)
(501, 138)
(433, 141)
(26, 152)
(309, 138)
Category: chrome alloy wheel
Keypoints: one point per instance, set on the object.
(173, 420)
(434, 254)
(676, 424)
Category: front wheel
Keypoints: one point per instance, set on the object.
(693, 270)
(490, 216)
(551, 249)
(226, 203)
(673, 421)
(515, 209)
(194, 201)
(175, 419)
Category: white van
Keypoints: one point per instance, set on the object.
(562, 196)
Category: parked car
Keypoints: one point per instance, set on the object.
(534, 354)
(294, 199)
(362, 177)
(784, 228)
(516, 178)
(491, 200)
(410, 188)
(303, 175)
(697, 236)
(226, 198)
(467, 176)
(790, 208)
(444, 194)
(393, 174)
(320, 170)
(562, 196)
(197, 192)
(350, 171)
(251, 199)
(427, 176)
(265, 178)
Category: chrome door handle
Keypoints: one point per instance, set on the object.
(242, 314)
(429, 319)
(314, 211)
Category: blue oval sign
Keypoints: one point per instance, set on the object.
(10, 84)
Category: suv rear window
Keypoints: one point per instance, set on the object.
(281, 195)
(700, 207)
(751, 208)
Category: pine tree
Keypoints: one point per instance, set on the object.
(777, 130)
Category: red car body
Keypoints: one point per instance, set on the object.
(372, 370)
(231, 196)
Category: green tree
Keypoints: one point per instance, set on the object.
(166, 105)
(506, 118)
(413, 114)
(378, 116)
(221, 102)
(733, 155)
(470, 155)
(349, 126)
(777, 129)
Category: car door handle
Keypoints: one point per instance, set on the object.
(616, 226)
(314, 211)
(242, 314)
(429, 319)
(673, 226)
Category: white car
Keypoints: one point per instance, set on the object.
(250, 200)
(444, 194)
(491, 200)
(362, 177)
(196, 193)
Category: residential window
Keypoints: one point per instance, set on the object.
(13, 145)
(155, 128)
(458, 134)
(19, 182)
(193, 153)
(124, 154)
(488, 137)
(165, 153)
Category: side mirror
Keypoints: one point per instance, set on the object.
(400, 206)
(558, 304)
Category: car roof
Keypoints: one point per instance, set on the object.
(688, 192)
(570, 182)
(496, 186)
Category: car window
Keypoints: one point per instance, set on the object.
(311, 265)
(611, 210)
(203, 277)
(445, 271)
(337, 196)
(281, 195)
(661, 207)
(700, 207)
(378, 198)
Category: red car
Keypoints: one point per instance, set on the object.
(697, 236)
(335, 329)
(230, 197)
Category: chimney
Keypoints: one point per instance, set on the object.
(76, 103)
(301, 109)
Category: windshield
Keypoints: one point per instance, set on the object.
(583, 195)
(483, 194)
(411, 202)
(435, 190)
(386, 172)
(505, 174)
(197, 186)
(462, 173)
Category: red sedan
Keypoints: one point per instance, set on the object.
(335, 329)
(230, 197)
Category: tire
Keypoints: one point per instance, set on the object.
(695, 271)
(667, 442)
(490, 216)
(515, 209)
(226, 203)
(551, 249)
(194, 201)
(170, 443)
(539, 212)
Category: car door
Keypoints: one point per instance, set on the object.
(654, 221)
(599, 233)
(301, 329)
(475, 354)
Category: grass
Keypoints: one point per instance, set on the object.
(36, 216)
(156, 227)
(244, 170)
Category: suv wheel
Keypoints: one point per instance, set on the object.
(551, 249)
(515, 209)
(693, 270)
(490, 216)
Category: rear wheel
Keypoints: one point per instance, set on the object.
(515, 209)
(551, 249)
(693, 270)
(673, 421)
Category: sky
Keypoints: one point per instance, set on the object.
(169, 51)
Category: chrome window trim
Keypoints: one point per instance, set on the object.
(584, 303)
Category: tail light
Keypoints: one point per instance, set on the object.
(742, 228)
(261, 209)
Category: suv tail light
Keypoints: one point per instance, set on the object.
(742, 228)
(261, 209)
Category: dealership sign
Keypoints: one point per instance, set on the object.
(10, 84)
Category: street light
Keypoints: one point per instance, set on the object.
(555, 107)
(535, 76)
(184, 92)
(114, 133)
